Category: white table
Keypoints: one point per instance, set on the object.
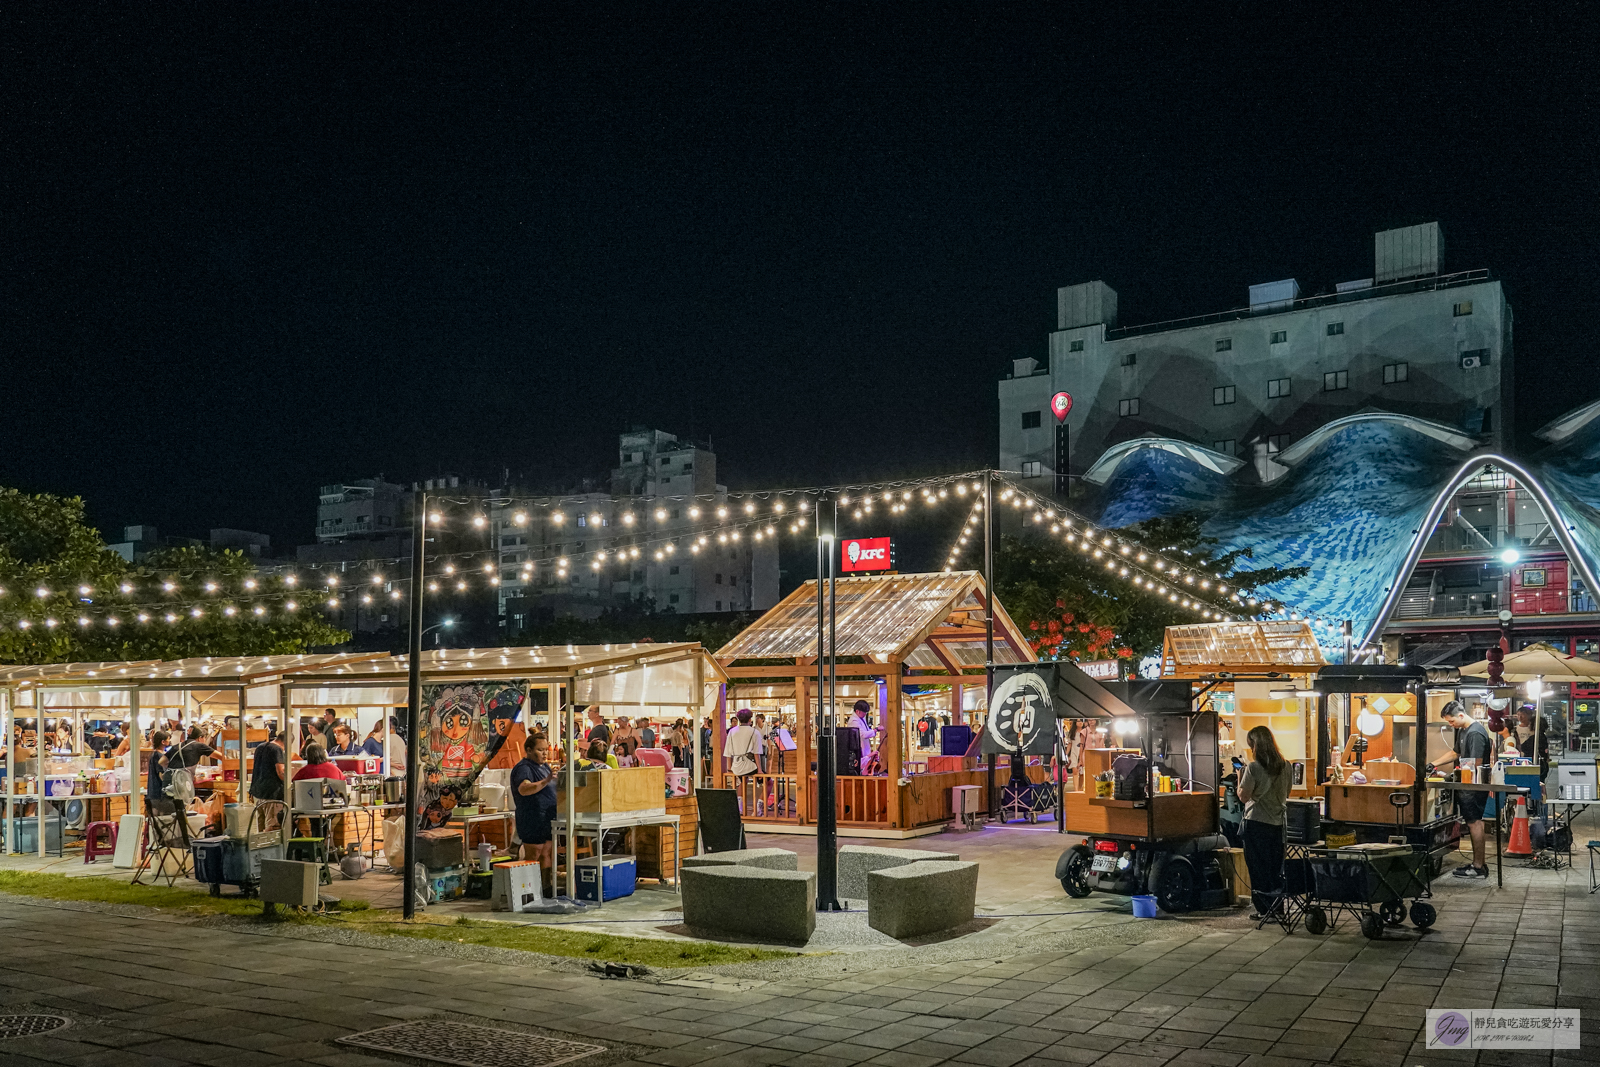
(596, 825)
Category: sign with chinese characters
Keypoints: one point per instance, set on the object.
(1101, 670)
(1060, 404)
(1507, 1028)
(860, 554)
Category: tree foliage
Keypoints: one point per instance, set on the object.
(46, 544)
(1072, 607)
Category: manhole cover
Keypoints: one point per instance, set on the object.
(471, 1046)
(29, 1025)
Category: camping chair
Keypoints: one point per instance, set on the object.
(1290, 902)
(165, 834)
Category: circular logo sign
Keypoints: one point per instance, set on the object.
(1451, 1029)
(853, 550)
(1060, 404)
(1021, 706)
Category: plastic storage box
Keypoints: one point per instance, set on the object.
(447, 883)
(620, 877)
(24, 830)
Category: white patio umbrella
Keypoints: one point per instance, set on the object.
(1538, 663)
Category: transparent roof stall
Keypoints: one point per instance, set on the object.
(1254, 647)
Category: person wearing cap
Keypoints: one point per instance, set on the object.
(1474, 747)
(743, 746)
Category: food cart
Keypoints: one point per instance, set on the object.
(893, 631)
(1379, 728)
(1140, 778)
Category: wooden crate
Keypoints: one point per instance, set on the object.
(1231, 860)
(618, 790)
(1367, 803)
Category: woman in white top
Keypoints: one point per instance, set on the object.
(1264, 788)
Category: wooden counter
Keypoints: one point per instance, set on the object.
(1175, 815)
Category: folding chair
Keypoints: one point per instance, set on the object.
(164, 834)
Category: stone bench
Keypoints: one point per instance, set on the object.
(772, 859)
(921, 898)
(745, 901)
(855, 861)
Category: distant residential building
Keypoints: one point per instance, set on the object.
(1242, 386)
(139, 541)
(362, 509)
(252, 544)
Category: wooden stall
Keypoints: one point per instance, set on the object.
(892, 630)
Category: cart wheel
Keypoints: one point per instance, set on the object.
(1075, 879)
(1316, 920)
(1392, 913)
(1172, 882)
(1372, 927)
(1423, 914)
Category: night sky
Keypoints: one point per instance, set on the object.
(249, 249)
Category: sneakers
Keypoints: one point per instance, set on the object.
(1467, 870)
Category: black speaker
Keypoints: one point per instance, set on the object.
(847, 743)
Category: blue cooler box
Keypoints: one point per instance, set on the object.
(620, 877)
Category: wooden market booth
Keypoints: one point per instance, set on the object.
(1250, 668)
(893, 630)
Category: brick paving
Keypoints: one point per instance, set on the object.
(146, 990)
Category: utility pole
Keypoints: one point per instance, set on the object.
(988, 625)
(419, 537)
(827, 738)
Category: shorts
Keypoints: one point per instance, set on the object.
(1470, 806)
(534, 831)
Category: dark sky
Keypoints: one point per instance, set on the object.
(251, 249)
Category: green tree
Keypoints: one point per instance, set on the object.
(1072, 607)
(60, 587)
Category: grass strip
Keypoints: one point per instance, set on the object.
(649, 952)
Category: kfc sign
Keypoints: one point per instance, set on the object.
(866, 554)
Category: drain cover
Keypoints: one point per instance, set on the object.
(471, 1046)
(29, 1025)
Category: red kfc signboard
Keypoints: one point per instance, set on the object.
(859, 554)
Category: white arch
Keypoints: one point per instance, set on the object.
(1558, 524)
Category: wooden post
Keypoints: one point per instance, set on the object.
(894, 730)
(955, 703)
(802, 754)
(719, 738)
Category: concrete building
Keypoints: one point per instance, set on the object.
(1243, 386)
(363, 509)
(139, 541)
(636, 543)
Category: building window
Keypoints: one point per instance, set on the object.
(1223, 394)
(1126, 408)
(1396, 372)
(719, 605)
(1335, 380)
(1030, 420)
(583, 520)
(1032, 468)
(1224, 344)
(1130, 358)
(1277, 443)
(665, 460)
(1277, 387)
(1075, 346)
(733, 579)
(1463, 308)
(676, 512)
(719, 579)
(672, 598)
(1228, 447)
(1335, 329)
(1280, 336)
(673, 569)
(508, 576)
(1473, 358)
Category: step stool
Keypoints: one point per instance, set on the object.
(99, 839)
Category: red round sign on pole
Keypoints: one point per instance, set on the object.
(1061, 403)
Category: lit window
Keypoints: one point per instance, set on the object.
(1396, 372)
(1277, 387)
(1280, 337)
(1223, 394)
(1130, 358)
(1463, 308)
(1224, 344)
(583, 520)
(1335, 380)
(1030, 420)
(1335, 329)
(1125, 408)
(1032, 468)
(1075, 346)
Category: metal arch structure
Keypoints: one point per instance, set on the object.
(1419, 540)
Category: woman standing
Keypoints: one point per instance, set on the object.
(1264, 788)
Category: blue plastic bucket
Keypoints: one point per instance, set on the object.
(1144, 907)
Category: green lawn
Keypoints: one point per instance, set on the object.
(650, 952)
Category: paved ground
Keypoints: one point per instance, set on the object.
(146, 990)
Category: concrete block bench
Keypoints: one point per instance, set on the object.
(921, 898)
(855, 861)
(758, 902)
(772, 859)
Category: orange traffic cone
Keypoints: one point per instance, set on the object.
(1521, 843)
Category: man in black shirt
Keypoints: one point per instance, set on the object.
(266, 779)
(1474, 748)
(188, 755)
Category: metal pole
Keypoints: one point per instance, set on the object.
(419, 537)
(244, 777)
(827, 741)
(988, 624)
(572, 795)
(1349, 641)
